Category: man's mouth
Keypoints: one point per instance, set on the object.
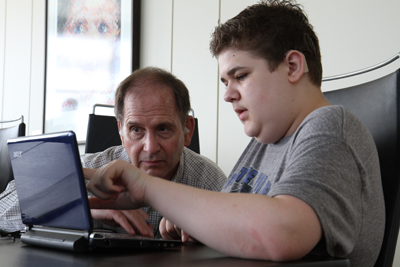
(152, 163)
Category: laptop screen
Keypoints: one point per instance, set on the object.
(49, 181)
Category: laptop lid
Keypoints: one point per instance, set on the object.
(49, 181)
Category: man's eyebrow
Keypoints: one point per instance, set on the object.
(132, 123)
(166, 123)
(162, 123)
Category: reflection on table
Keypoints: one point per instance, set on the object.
(14, 253)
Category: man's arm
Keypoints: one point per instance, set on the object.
(10, 214)
(241, 225)
(133, 221)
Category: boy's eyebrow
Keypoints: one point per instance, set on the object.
(232, 71)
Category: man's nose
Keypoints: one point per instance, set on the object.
(151, 144)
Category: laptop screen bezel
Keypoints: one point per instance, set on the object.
(69, 139)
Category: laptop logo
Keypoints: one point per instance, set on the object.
(17, 154)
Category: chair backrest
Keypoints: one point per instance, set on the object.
(102, 132)
(6, 173)
(195, 142)
(376, 103)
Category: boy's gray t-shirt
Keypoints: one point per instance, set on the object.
(331, 163)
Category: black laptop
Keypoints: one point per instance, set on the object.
(53, 199)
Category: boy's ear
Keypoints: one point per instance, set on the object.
(297, 64)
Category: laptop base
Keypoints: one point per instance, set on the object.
(56, 238)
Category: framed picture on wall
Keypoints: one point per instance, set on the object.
(91, 46)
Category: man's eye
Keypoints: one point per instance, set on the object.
(135, 129)
(163, 129)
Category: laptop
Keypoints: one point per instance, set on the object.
(53, 198)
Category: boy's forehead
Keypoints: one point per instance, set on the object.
(230, 60)
(236, 53)
(229, 57)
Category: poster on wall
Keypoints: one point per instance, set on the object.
(91, 46)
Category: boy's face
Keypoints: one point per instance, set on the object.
(264, 101)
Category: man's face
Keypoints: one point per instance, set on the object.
(152, 132)
(263, 100)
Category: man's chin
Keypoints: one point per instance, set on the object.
(156, 173)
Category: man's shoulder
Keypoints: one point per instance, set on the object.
(193, 157)
(97, 160)
(200, 163)
(200, 171)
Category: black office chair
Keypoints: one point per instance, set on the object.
(376, 103)
(195, 142)
(102, 132)
(6, 174)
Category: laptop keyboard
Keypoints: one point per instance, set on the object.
(119, 236)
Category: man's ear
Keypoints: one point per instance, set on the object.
(189, 130)
(120, 132)
(297, 64)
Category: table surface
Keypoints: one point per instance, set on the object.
(14, 253)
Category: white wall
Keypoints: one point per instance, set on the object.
(175, 34)
(22, 41)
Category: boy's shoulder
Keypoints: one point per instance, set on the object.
(333, 120)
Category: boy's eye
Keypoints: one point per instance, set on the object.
(241, 77)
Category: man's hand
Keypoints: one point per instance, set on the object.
(133, 221)
(169, 230)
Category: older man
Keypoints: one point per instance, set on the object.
(152, 107)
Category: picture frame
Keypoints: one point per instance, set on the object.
(91, 46)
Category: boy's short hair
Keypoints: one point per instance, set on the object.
(269, 30)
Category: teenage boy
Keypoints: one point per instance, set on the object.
(312, 168)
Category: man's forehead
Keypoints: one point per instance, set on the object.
(155, 105)
(147, 89)
(149, 109)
